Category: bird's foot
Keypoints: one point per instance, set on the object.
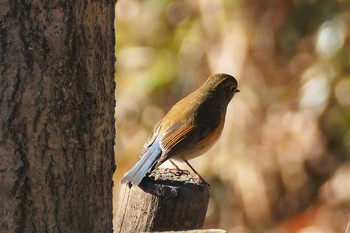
(200, 180)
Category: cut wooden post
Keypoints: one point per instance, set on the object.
(164, 201)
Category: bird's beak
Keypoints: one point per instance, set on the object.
(237, 90)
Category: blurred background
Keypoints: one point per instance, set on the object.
(282, 163)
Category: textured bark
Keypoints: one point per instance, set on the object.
(57, 116)
(165, 201)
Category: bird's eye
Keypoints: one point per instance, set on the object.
(233, 90)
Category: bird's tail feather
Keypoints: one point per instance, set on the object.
(139, 170)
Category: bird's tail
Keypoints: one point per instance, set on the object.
(139, 170)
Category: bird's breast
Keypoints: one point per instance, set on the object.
(204, 144)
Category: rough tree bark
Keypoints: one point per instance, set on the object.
(57, 115)
(165, 200)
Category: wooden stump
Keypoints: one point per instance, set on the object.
(164, 201)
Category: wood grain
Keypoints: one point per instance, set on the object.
(164, 201)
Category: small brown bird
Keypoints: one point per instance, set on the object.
(189, 129)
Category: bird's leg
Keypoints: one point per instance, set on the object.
(174, 164)
(198, 177)
(177, 169)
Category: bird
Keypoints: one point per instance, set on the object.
(190, 128)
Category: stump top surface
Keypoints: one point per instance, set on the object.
(165, 181)
(165, 175)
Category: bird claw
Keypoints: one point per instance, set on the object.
(200, 180)
(178, 172)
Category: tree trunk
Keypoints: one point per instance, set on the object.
(57, 115)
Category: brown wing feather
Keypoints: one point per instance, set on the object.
(175, 134)
(177, 138)
(152, 137)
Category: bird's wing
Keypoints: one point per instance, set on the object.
(152, 137)
(178, 137)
